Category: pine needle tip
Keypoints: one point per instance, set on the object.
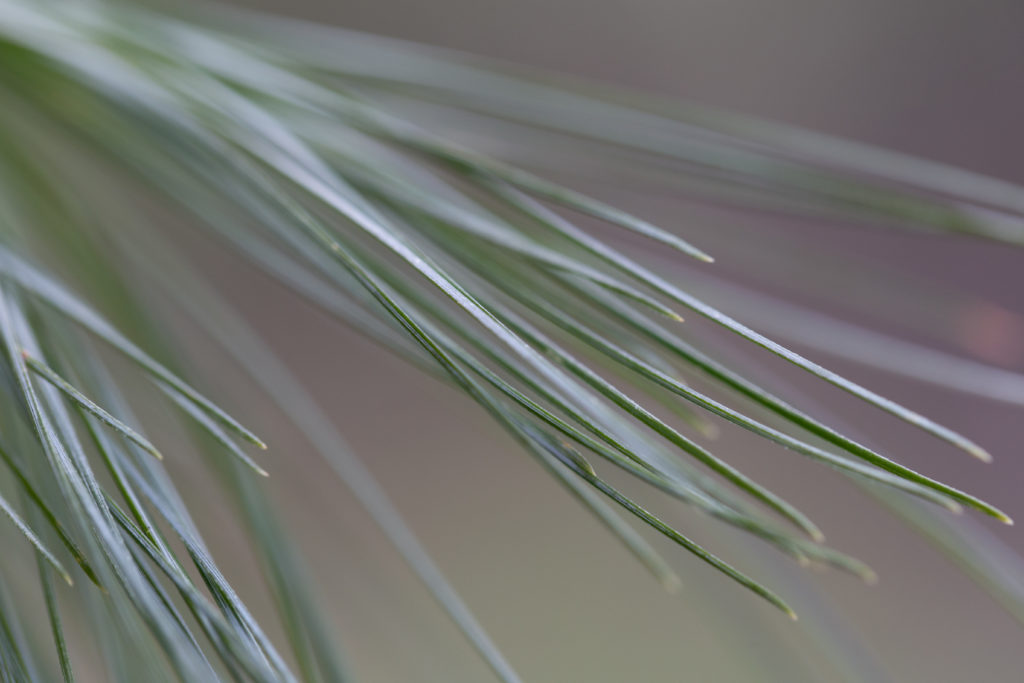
(671, 583)
(982, 455)
(955, 508)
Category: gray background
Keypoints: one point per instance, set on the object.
(937, 79)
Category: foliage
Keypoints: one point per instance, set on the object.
(302, 148)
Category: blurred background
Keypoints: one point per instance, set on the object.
(940, 80)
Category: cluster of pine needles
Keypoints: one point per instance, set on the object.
(302, 149)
